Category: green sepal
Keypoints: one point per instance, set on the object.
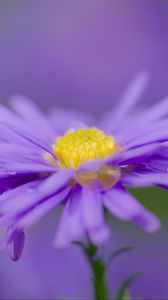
(119, 252)
(126, 295)
(123, 293)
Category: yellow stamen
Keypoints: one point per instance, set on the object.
(82, 145)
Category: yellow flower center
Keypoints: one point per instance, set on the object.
(82, 145)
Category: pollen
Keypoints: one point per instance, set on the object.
(82, 145)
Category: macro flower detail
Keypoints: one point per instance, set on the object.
(85, 168)
(78, 146)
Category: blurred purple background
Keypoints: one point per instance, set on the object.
(46, 273)
(82, 54)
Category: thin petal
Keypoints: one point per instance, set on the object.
(145, 179)
(30, 112)
(123, 205)
(158, 135)
(29, 198)
(96, 164)
(7, 115)
(16, 239)
(18, 201)
(70, 227)
(15, 158)
(91, 165)
(63, 119)
(128, 102)
(156, 112)
(93, 216)
(133, 131)
(42, 209)
(18, 135)
(55, 182)
(139, 154)
(18, 152)
(22, 168)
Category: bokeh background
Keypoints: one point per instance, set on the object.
(82, 55)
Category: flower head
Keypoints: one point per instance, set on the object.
(85, 168)
(81, 145)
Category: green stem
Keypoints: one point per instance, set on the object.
(98, 272)
(99, 279)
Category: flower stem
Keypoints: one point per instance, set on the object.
(98, 272)
(99, 279)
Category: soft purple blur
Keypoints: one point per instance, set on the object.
(46, 273)
(43, 272)
(81, 54)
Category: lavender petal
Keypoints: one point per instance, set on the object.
(123, 205)
(93, 216)
(16, 239)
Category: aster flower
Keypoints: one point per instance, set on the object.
(58, 159)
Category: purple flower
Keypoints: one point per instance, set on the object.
(85, 169)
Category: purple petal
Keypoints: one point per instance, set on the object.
(139, 154)
(16, 239)
(63, 119)
(93, 216)
(95, 164)
(55, 182)
(159, 110)
(29, 197)
(137, 129)
(19, 159)
(6, 114)
(145, 179)
(9, 181)
(42, 209)
(124, 206)
(18, 135)
(91, 165)
(9, 194)
(30, 112)
(17, 201)
(70, 227)
(18, 152)
(127, 103)
(158, 135)
(158, 163)
(19, 168)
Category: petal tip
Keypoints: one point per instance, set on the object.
(15, 247)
